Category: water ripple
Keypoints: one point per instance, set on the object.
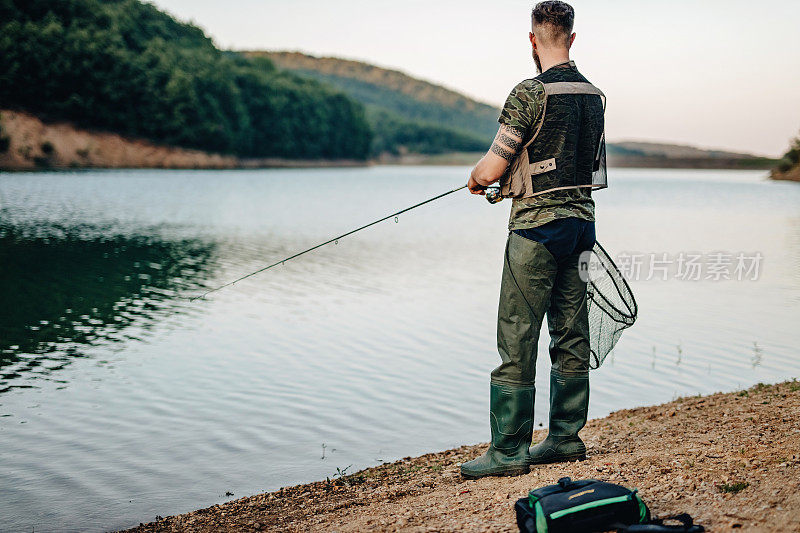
(121, 399)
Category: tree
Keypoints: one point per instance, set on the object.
(125, 66)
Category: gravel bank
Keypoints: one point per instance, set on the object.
(731, 460)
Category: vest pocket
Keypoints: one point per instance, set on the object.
(516, 182)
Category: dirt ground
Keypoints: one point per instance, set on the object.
(36, 145)
(730, 460)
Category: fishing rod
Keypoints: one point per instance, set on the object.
(335, 239)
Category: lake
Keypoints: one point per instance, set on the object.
(122, 399)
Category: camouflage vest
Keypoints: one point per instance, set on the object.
(568, 148)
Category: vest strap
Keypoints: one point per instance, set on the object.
(572, 87)
(524, 169)
(541, 122)
(565, 87)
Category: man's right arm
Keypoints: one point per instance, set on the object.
(505, 147)
(519, 113)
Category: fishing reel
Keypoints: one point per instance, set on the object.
(493, 195)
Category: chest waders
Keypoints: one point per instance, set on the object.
(566, 151)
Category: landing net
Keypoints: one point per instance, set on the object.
(612, 307)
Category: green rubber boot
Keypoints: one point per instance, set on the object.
(569, 402)
(511, 421)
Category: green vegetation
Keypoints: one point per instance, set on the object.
(125, 66)
(406, 114)
(395, 135)
(756, 163)
(790, 159)
(733, 488)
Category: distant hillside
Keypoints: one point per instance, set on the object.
(406, 114)
(393, 90)
(653, 154)
(642, 148)
(411, 116)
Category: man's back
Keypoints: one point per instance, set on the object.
(573, 129)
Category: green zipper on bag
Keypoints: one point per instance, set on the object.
(541, 519)
(642, 508)
(588, 505)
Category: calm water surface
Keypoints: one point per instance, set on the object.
(121, 400)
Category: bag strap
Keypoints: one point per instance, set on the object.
(657, 525)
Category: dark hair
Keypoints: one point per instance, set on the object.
(559, 16)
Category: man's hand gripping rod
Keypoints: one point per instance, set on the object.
(335, 239)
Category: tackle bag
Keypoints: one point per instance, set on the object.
(580, 506)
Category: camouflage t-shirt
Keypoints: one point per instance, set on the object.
(523, 111)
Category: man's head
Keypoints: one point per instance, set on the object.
(551, 29)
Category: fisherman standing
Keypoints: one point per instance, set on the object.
(548, 155)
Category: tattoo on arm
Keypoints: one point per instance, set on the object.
(502, 152)
(510, 142)
(516, 132)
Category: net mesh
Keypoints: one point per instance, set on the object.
(599, 172)
(612, 307)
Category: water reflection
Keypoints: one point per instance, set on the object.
(66, 289)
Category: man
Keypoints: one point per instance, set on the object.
(552, 131)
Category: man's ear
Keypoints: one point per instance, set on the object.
(532, 38)
(572, 39)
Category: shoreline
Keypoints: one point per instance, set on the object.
(34, 145)
(731, 460)
(790, 175)
(29, 144)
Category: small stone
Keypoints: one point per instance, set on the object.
(500, 496)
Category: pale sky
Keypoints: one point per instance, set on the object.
(712, 73)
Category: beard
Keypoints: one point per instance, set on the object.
(537, 61)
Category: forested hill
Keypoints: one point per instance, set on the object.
(126, 67)
(406, 114)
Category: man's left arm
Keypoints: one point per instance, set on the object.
(505, 147)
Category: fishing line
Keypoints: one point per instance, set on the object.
(335, 239)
